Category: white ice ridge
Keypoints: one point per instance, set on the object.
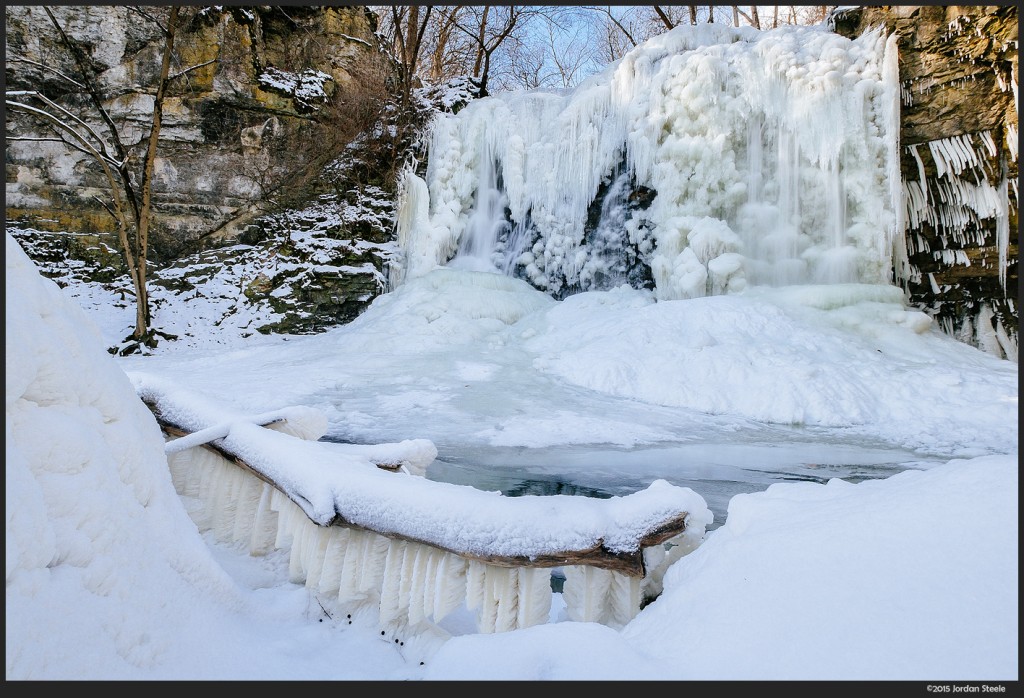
(770, 153)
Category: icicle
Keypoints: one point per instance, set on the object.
(265, 523)
(987, 336)
(330, 572)
(492, 592)
(313, 561)
(390, 593)
(584, 592)
(363, 563)
(1003, 231)
(183, 472)
(249, 495)
(504, 596)
(534, 596)
(920, 175)
(304, 539)
(410, 581)
(475, 584)
(374, 557)
(623, 601)
(289, 517)
(990, 144)
(212, 491)
(1008, 344)
(487, 609)
(352, 566)
(449, 585)
(421, 602)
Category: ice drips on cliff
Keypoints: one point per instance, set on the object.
(706, 159)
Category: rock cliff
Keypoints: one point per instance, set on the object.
(958, 142)
(241, 130)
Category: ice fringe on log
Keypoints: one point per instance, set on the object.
(409, 585)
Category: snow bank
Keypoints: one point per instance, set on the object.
(87, 488)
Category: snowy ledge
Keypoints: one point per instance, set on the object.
(343, 485)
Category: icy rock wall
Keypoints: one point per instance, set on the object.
(768, 156)
(958, 163)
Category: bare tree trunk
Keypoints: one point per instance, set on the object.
(132, 207)
(412, 24)
(664, 17)
(445, 27)
(693, 14)
(481, 49)
(142, 315)
(752, 19)
(409, 42)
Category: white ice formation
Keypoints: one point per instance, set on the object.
(767, 158)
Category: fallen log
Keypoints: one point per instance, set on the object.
(630, 562)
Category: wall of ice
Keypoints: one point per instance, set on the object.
(771, 158)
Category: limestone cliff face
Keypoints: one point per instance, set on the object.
(958, 141)
(241, 129)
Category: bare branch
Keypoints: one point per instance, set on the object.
(664, 17)
(100, 146)
(103, 203)
(122, 221)
(54, 139)
(607, 11)
(97, 102)
(180, 73)
(47, 68)
(142, 13)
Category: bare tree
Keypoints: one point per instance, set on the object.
(446, 51)
(408, 28)
(131, 191)
(555, 58)
(489, 26)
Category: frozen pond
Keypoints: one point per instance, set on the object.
(716, 471)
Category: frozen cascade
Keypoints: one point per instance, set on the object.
(768, 154)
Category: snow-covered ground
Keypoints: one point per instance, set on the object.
(909, 577)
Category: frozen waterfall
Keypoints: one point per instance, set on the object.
(707, 159)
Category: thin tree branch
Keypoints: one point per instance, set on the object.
(663, 17)
(142, 13)
(103, 203)
(49, 69)
(100, 144)
(122, 221)
(97, 101)
(180, 73)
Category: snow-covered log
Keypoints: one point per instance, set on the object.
(265, 491)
